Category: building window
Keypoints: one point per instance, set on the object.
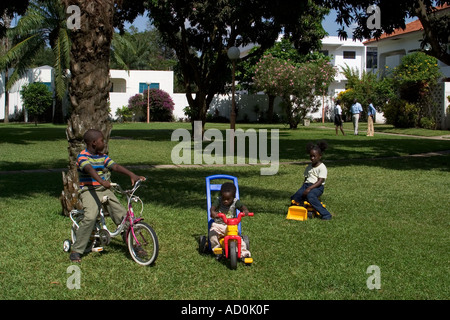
(49, 86)
(143, 86)
(349, 54)
(325, 52)
(371, 59)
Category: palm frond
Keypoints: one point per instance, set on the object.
(44, 23)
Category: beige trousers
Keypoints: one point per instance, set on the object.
(370, 129)
(91, 199)
(217, 232)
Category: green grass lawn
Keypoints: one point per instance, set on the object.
(392, 213)
(25, 147)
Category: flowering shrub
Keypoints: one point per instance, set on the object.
(160, 102)
(415, 76)
(414, 79)
(296, 84)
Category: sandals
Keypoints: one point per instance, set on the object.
(75, 257)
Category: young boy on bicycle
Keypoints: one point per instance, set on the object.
(93, 166)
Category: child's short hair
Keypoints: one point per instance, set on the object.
(91, 135)
(228, 187)
(320, 146)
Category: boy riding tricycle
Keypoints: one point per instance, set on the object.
(224, 228)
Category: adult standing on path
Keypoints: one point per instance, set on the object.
(356, 109)
(338, 117)
(370, 119)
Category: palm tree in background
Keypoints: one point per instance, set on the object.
(127, 54)
(44, 24)
(135, 50)
(4, 47)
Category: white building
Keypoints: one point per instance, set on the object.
(353, 54)
(42, 74)
(393, 47)
(124, 85)
(345, 53)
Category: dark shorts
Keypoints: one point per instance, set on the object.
(337, 120)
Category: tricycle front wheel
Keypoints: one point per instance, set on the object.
(232, 252)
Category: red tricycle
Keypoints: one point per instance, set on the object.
(234, 231)
(231, 242)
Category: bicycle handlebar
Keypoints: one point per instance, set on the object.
(233, 221)
(137, 184)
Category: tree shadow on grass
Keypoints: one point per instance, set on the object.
(26, 134)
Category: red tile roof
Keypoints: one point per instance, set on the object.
(414, 26)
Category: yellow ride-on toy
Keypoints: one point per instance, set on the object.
(302, 212)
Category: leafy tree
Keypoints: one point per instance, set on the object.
(135, 50)
(36, 99)
(8, 9)
(43, 23)
(124, 114)
(297, 84)
(365, 87)
(200, 32)
(416, 75)
(413, 79)
(283, 50)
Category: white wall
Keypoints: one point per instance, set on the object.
(336, 48)
(126, 84)
(41, 74)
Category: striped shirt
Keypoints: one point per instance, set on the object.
(98, 161)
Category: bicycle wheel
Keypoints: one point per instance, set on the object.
(233, 254)
(143, 246)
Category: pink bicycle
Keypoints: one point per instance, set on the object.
(139, 236)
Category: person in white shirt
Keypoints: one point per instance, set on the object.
(338, 117)
(315, 176)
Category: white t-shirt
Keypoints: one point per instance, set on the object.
(312, 174)
(337, 110)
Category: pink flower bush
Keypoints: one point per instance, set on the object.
(160, 102)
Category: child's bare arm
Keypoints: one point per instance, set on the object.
(244, 210)
(213, 212)
(93, 173)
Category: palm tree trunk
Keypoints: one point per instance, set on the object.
(89, 85)
(5, 41)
